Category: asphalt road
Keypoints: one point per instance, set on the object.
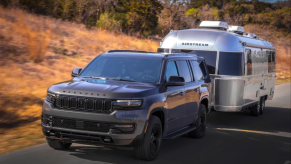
(231, 138)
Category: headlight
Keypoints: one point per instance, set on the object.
(50, 97)
(127, 103)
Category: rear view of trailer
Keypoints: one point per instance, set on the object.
(242, 66)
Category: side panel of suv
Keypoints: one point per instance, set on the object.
(175, 100)
(129, 99)
(191, 93)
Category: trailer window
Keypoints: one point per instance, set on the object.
(271, 61)
(270, 67)
(209, 56)
(249, 62)
(231, 63)
(210, 59)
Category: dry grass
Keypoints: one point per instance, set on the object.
(36, 52)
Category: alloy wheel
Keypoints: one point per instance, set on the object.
(155, 139)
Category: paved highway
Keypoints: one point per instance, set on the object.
(231, 138)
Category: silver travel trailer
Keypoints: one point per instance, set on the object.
(242, 66)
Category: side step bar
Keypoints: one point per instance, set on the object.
(180, 132)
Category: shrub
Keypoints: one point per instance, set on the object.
(36, 41)
(107, 21)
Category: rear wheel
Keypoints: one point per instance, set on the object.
(57, 144)
(200, 123)
(151, 143)
(262, 105)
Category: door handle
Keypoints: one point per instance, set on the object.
(181, 93)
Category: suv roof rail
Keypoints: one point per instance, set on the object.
(131, 51)
(182, 54)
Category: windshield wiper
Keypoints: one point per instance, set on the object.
(92, 77)
(121, 80)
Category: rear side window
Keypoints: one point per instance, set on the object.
(199, 69)
(184, 70)
(171, 70)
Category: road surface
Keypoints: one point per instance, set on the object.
(231, 138)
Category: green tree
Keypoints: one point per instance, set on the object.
(281, 18)
(142, 16)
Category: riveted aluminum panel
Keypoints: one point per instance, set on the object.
(229, 92)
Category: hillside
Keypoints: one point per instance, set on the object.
(38, 51)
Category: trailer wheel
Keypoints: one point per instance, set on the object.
(255, 110)
(262, 105)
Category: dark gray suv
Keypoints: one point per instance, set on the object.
(128, 98)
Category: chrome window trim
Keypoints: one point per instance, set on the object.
(217, 61)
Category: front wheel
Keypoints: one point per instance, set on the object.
(57, 144)
(200, 123)
(151, 143)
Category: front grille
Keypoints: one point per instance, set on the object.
(83, 104)
(67, 123)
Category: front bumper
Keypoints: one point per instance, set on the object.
(135, 117)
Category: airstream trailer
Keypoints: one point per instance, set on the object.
(242, 66)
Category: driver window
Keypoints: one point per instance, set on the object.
(171, 70)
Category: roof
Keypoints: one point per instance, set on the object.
(210, 39)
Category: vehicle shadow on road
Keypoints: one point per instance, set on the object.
(273, 120)
(218, 146)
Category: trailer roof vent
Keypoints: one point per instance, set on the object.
(214, 25)
(251, 35)
(236, 29)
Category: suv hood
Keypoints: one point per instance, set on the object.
(103, 88)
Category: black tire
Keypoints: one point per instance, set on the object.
(200, 123)
(255, 110)
(149, 148)
(262, 105)
(57, 144)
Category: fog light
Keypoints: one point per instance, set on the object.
(45, 120)
(107, 139)
(122, 128)
(116, 131)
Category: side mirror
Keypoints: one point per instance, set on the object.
(76, 72)
(175, 81)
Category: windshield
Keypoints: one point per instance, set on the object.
(125, 68)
